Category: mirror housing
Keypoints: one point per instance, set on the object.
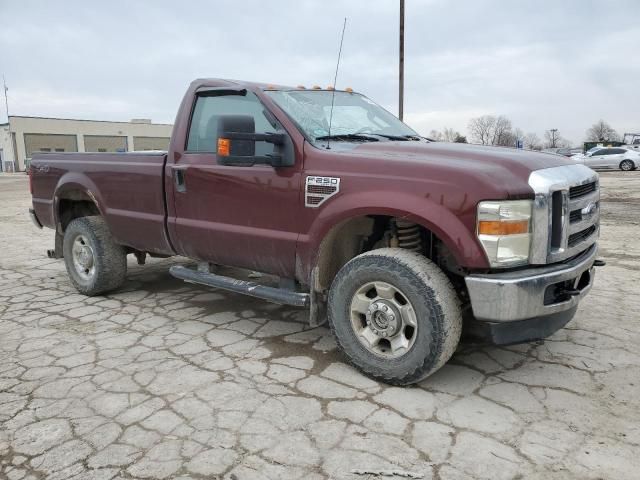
(237, 143)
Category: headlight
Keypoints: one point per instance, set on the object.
(504, 229)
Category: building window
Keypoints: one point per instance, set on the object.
(59, 149)
(45, 149)
(102, 150)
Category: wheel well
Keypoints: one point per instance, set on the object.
(75, 204)
(362, 234)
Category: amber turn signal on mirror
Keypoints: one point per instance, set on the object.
(224, 147)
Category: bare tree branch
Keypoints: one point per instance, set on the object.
(601, 131)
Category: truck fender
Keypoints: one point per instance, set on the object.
(423, 211)
(71, 183)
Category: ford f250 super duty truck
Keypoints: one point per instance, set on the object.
(396, 238)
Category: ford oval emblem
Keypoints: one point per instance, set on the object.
(589, 210)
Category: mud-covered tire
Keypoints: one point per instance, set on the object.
(108, 263)
(431, 296)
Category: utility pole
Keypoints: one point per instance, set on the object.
(401, 64)
(6, 100)
(553, 137)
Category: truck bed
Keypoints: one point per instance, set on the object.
(127, 188)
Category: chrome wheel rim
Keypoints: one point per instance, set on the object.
(83, 257)
(383, 319)
(626, 165)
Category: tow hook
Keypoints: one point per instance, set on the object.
(599, 263)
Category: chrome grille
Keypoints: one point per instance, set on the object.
(566, 212)
(582, 190)
(578, 237)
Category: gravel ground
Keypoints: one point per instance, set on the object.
(167, 380)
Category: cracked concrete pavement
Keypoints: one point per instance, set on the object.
(167, 380)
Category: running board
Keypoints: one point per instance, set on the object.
(275, 295)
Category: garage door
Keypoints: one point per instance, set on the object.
(150, 143)
(48, 142)
(105, 143)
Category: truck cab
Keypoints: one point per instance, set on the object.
(397, 241)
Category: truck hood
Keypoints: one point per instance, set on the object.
(504, 170)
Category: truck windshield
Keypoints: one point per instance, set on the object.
(355, 117)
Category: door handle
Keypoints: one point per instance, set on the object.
(179, 172)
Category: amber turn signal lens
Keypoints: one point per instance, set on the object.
(486, 227)
(224, 145)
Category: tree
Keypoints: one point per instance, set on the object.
(447, 135)
(450, 134)
(460, 139)
(492, 130)
(436, 136)
(532, 141)
(552, 139)
(601, 131)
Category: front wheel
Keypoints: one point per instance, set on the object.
(95, 263)
(395, 315)
(627, 165)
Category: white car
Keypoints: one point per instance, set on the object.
(610, 157)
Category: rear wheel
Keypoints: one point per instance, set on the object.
(395, 315)
(627, 165)
(95, 263)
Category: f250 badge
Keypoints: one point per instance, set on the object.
(320, 189)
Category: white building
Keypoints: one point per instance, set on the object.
(23, 136)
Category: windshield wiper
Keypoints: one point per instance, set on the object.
(349, 136)
(402, 138)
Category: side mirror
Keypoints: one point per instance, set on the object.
(237, 143)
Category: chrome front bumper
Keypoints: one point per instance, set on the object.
(524, 294)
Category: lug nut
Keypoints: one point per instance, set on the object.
(385, 308)
(384, 334)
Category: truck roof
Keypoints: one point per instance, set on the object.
(225, 82)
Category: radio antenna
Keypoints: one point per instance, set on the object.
(335, 79)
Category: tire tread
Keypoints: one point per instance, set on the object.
(441, 294)
(111, 258)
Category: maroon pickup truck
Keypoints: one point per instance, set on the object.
(393, 238)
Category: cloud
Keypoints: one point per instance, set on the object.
(545, 64)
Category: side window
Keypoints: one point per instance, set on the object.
(203, 133)
(618, 150)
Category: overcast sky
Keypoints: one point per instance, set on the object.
(543, 63)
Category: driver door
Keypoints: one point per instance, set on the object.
(243, 216)
(597, 160)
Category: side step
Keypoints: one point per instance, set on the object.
(276, 295)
